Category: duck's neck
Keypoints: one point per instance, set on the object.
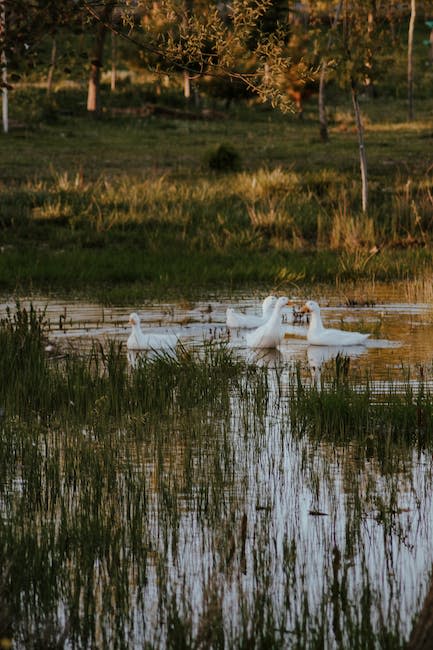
(316, 324)
(276, 315)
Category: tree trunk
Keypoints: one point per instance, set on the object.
(113, 62)
(188, 9)
(186, 85)
(391, 18)
(362, 155)
(5, 102)
(323, 120)
(410, 114)
(430, 52)
(93, 95)
(52, 67)
(371, 19)
(4, 71)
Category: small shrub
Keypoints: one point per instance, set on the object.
(225, 158)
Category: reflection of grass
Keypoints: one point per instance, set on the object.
(150, 495)
(344, 410)
(144, 215)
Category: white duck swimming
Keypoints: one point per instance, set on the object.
(319, 335)
(249, 321)
(270, 334)
(139, 341)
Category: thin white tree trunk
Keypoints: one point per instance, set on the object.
(52, 67)
(5, 97)
(430, 53)
(93, 92)
(410, 112)
(186, 85)
(323, 120)
(362, 154)
(4, 75)
(113, 61)
(371, 19)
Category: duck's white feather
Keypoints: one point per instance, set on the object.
(235, 319)
(270, 334)
(138, 340)
(320, 335)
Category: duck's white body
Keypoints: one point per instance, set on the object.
(236, 319)
(320, 335)
(270, 334)
(139, 341)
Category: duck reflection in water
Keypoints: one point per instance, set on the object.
(318, 355)
(268, 357)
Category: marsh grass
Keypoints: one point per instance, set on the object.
(101, 381)
(137, 507)
(347, 410)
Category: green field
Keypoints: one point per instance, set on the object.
(127, 206)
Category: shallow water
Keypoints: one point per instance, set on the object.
(401, 333)
(237, 507)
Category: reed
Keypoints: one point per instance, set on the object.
(200, 501)
(350, 408)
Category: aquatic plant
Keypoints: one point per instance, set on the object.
(197, 500)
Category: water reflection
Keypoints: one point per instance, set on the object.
(318, 355)
(266, 357)
(193, 518)
(401, 333)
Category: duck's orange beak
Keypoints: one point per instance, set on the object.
(305, 310)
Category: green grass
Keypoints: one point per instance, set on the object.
(125, 207)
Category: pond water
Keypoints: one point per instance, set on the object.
(401, 332)
(230, 525)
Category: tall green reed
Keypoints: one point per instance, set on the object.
(124, 486)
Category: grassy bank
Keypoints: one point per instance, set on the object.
(126, 207)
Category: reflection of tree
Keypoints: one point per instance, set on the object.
(421, 637)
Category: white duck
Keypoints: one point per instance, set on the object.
(270, 334)
(249, 321)
(319, 335)
(139, 341)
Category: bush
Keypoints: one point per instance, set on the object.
(224, 158)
